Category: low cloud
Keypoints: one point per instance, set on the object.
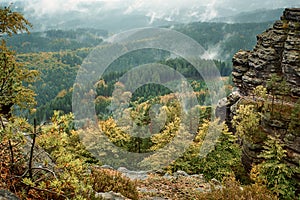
(216, 51)
(210, 11)
(198, 10)
(46, 7)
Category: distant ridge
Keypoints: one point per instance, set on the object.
(258, 16)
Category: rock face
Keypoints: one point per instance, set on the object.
(277, 52)
(7, 195)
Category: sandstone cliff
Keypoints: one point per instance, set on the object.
(277, 52)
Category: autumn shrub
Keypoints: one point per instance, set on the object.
(69, 174)
(105, 180)
(11, 172)
(232, 189)
(60, 137)
(13, 160)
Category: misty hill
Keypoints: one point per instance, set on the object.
(118, 21)
(96, 15)
(114, 22)
(221, 40)
(97, 18)
(257, 16)
(56, 40)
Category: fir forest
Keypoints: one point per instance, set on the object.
(149, 106)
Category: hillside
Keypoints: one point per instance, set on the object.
(87, 116)
(258, 16)
(58, 55)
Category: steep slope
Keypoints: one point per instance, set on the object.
(275, 64)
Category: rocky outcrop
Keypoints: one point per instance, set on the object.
(291, 14)
(110, 196)
(157, 184)
(277, 52)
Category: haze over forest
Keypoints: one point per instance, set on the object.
(120, 15)
(150, 99)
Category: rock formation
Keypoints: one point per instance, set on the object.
(277, 52)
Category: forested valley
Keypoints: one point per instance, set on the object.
(44, 154)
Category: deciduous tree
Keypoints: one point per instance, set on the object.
(13, 75)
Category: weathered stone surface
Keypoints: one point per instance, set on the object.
(224, 105)
(134, 175)
(292, 14)
(241, 58)
(277, 52)
(278, 24)
(241, 69)
(180, 173)
(110, 196)
(221, 109)
(7, 195)
(293, 142)
(237, 74)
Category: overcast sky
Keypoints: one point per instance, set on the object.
(170, 10)
(53, 6)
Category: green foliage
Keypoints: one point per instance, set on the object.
(260, 91)
(60, 138)
(57, 72)
(106, 180)
(70, 157)
(246, 122)
(137, 121)
(13, 128)
(12, 22)
(277, 85)
(13, 75)
(274, 172)
(67, 178)
(170, 116)
(11, 161)
(56, 40)
(115, 134)
(223, 160)
(65, 173)
(188, 70)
